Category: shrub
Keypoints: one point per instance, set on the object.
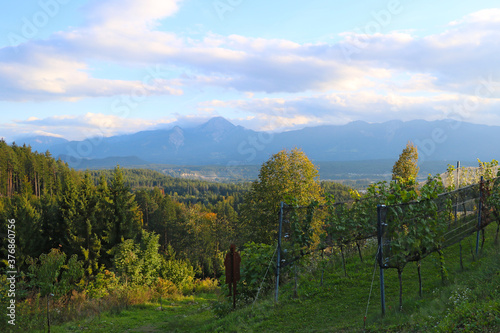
(254, 264)
(180, 272)
(167, 289)
(102, 284)
(206, 285)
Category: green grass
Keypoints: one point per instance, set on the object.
(176, 316)
(468, 301)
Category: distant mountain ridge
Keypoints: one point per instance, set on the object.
(219, 142)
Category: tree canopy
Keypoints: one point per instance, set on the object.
(406, 167)
(286, 175)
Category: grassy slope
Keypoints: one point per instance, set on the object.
(469, 301)
(176, 316)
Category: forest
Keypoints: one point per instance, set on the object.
(137, 226)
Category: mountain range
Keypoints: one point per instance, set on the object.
(219, 142)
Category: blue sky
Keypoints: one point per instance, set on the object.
(75, 68)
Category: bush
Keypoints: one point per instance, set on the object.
(167, 289)
(180, 272)
(472, 317)
(102, 284)
(254, 264)
(206, 286)
(52, 274)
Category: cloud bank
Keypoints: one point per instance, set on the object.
(282, 84)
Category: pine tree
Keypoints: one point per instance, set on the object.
(126, 219)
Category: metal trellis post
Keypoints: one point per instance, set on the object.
(380, 256)
(278, 260)
(479, 214)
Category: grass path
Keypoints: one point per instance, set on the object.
(176, 316)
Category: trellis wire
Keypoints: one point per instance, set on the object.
(371, 286)
(458, 213)
(264, 278)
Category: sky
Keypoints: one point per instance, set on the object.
(76, 68)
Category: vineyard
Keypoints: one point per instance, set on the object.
(408, 222)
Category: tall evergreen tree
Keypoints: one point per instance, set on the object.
(126, 219)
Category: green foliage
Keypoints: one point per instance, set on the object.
(86, 216)
(101, 285)
(255, 260)
(151, 258)
(138, 263)
(472, 317)
(178, 271)
(287, 174)
(339, 191)
(51, 274)
(127, 262)
(126, 220)
(406, 167)
(186, 191)
(487, 169)
(166, 288)
(301, 227)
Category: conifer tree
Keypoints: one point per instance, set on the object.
(126, 219)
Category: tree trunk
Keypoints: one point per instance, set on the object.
(343, 259)
(419, 279)
(359, 251)
(400, 273)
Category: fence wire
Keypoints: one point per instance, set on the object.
(409, 231)
(412, 231)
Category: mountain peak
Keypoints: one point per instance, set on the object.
(217, 124)
(216, 128)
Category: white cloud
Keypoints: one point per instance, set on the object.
(45, 76)
(278, 114)
(392, 75)
(44, 133)
(129, 15)
(85, 126)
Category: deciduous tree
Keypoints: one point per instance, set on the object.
(406, 167)
(286, 175)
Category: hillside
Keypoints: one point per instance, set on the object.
(219, 142)
(469, 301)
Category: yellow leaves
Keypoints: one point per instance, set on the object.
(209, 216)
(405, 229)
(354, 194)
